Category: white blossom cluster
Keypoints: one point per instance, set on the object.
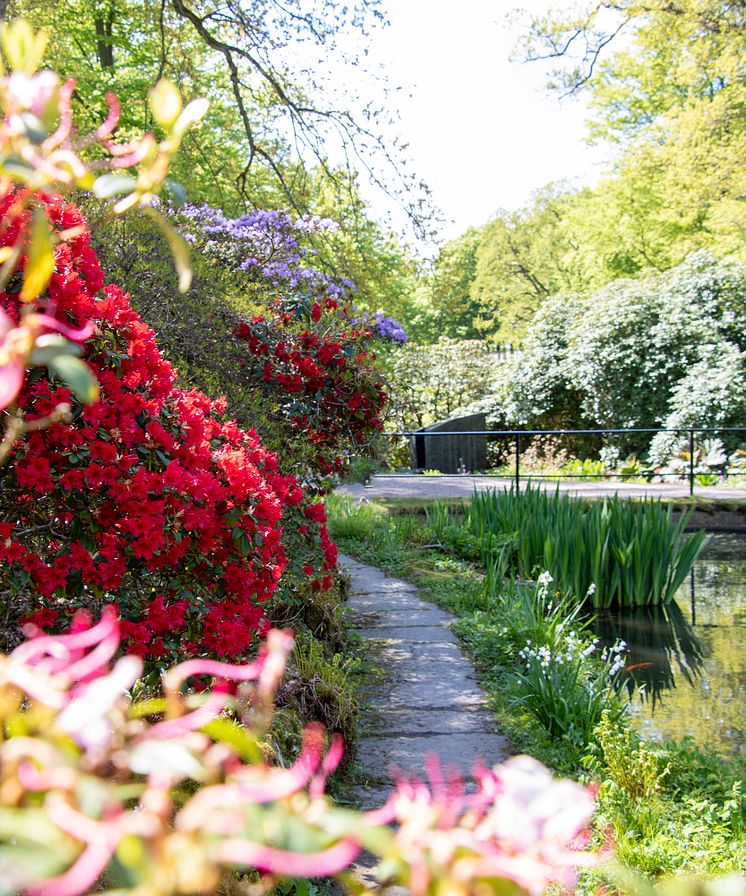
(575, 650)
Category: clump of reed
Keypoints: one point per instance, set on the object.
(608, 552)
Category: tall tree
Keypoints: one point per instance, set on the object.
(265, 65)
(673, 95)
(522, 258)
(444, 303)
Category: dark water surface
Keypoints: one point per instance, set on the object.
(691, 656)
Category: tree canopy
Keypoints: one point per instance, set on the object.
(667, 92)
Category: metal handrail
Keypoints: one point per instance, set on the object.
(517, 434)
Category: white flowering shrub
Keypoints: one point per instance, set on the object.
(427, 383)
(663, 350)
(712, 393)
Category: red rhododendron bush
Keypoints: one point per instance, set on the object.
(315, 360)
(146, 497)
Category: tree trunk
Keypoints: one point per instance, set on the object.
(104, 45)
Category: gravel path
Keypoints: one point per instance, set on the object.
(424, 698)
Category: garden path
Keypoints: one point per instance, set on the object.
(423, 697)
(452, 486)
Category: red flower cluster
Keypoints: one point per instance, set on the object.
(146, 498)
(316, 362)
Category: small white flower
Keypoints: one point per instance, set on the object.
(545, 578)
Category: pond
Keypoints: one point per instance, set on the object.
(690, 656)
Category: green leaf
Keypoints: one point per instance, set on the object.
(176, 191)
(49, 346)
(109, 185)
(150, 707)
(40, 264)
(165, 102)
(192, 114)
(23, 47)
(226, 732)
(17, 169)
(77, 375)
(179, 249)
(34, 127)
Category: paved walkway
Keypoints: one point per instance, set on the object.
(390, 486)
(424, 697)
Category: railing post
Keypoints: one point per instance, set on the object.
(517, 464)
(691, 463)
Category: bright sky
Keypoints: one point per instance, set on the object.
(483, 132)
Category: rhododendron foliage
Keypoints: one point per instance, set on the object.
(172, 795)
(309, 350)
(317, 364)
(147, 497)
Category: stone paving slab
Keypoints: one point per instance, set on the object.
(403, 601)
(426, 697)
(440, 634)
(382, 755)
(423, 691)
(417, 616)
(383, 585)
(384, 720)
(438, 658)
(395, 600)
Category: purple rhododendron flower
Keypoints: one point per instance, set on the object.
(269, 244)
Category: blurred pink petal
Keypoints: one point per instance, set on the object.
(177, 675)
(36, 686)
(291, 864)
(137, 152)
(51, 323)
(87, 716)
(101, 839)
(106, 128)
(257, 784)
(78, 878)
(66, 117)
(328, 765)
(11, 381)
(96, 663)
(33, 779)
(191, 721)
(56, 651)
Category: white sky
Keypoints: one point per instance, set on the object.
(483, 132)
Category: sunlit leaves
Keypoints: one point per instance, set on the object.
(22, 47)
(165, 103)
(179, 249)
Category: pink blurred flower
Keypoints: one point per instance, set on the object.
(17, 343)
(15, 346)
(518, 825)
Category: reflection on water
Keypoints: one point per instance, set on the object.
(662, 645)
(689, 656)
